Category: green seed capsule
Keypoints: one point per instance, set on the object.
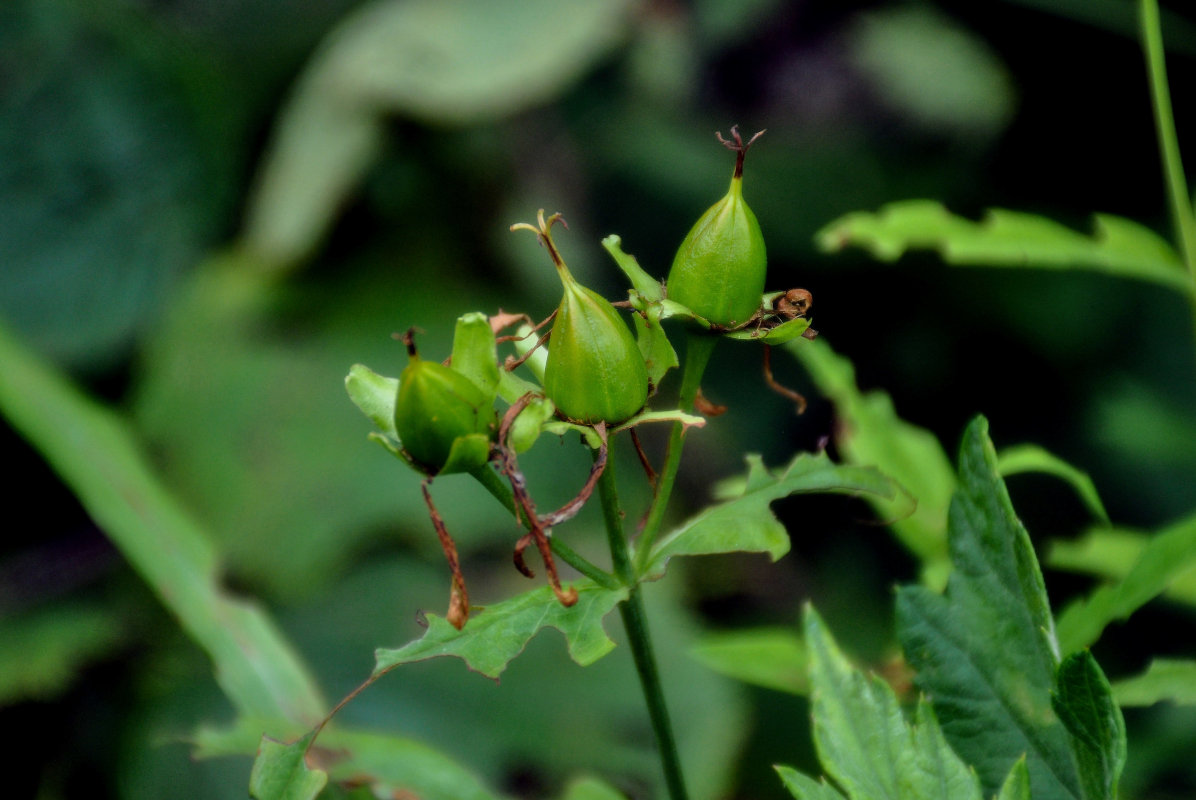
(595, 372)
(436, 407)
(719, 269)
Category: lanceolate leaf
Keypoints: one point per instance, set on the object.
(1032, 458)
(1112, 553)
(497, 634)
(744, 522)
(1010, 239)
(864, 741)
(803, 787)
(985, 651)
(1168, 554)
(1084, 703)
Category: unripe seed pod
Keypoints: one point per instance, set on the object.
(595, 372)
(719, 269)
(435, 407)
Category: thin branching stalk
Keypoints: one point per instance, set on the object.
(635, 622)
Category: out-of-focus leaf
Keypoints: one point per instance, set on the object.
(1084, 703)
(1017, 785)
(871, 433)
(1111, 553)
(95, 453)
(933, 71)
(107, 186)
(774, 658)
(1166, 679)
(591, 789)
(1009, 239)
(41, 652)
(985, 651)
(280, 772)
(864, 741)
(803, 787)
(1170, 552)
(458, 63)
(497, 634)
(1032, 458)
(743, 522)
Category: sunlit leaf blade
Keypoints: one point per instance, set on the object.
(375, 395)
(870, 433)
(1165, 679)
(1169, 553)
(1032, 458)
(984, 652)
(744, 522)
(1111, 553)
(1009, 239)
(591, 789)
(803, 787)
(497, 634)
(1084, 703)
(774, 658)
(864, 741)
(281, 773)
(95, 453)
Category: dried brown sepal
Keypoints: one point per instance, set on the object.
(798, 399)
(458, 611)
(707, 408)
(737, 144)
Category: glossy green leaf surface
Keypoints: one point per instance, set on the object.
(743, 520)
(774, 658)
(1085, 705)
(281, 772)
(985, 651)
(1003, 238)
(497, 634)
(1168, 553)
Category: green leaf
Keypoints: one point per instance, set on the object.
(460, 64)
(865, 743)
(280, 772)
(1009, 239)
(788, 331)
(1169, 553)
(744, 522)
(591, 789)
(655, 347)
(774, 658)
(96, 454)
(1165, 679)
(1084, 703)
(499, 633)
(1032, 458)
(1017, 783)
(42, 652)
(985, 651)
(1111, 553)
(375, 395)
(803, 787)
(870, 433)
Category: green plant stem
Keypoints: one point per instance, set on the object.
(635, 622)
(1182, 218)
(501, 492)
(698, 347)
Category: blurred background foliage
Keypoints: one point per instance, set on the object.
(209, 209)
